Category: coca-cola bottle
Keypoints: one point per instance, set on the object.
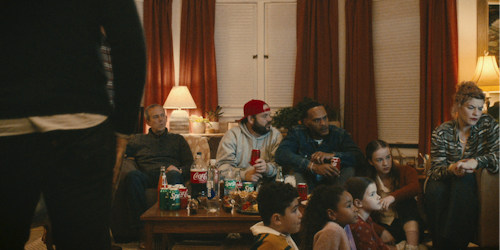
(198, 177)
(237, 178)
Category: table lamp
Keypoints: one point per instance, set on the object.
(179, 98)
(487, 74)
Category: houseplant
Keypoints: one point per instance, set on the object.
(213, 116)
(198, 123)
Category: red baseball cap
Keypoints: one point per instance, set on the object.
(254, 107)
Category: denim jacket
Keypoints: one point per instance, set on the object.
(297, 147)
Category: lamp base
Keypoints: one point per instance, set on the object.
(179, 122)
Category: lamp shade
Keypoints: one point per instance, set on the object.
(487, 75)
(179, 98)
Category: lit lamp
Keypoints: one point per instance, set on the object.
(179, 98)
(487, 75)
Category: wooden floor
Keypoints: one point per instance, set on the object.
(244, 243)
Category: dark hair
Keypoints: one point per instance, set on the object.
(146, 111)
(357, 186)
(371, 148)
(307, 107)
(465, 92)
(245, 120)
(323, 197)
(273, 198)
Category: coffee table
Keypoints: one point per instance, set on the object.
(166, 222)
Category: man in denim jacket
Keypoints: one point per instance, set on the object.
(308, 150)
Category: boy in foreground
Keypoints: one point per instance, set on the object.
(279, 209)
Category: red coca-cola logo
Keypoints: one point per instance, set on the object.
(199, 177)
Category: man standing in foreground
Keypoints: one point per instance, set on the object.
(254, 132)
(308, 149)
(58, 132)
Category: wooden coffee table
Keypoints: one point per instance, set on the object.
(166, 222)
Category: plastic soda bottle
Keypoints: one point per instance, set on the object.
(162, 182)
(198, 177)
(239, 183)
(229, 183)
(279, 175)
(213, 187)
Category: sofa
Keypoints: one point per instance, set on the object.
(120, 225)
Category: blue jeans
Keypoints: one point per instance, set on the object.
(74, 170)
(136, 183)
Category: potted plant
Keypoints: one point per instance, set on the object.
(198, 123)
(213, 116)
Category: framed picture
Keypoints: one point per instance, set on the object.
(487, 28)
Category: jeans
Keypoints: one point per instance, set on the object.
(74, 170)
(136, 183)
(452, 210)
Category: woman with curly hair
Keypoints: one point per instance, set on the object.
(328, 211)
(458, 148)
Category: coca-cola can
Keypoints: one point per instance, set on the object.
(255, 156)
(302, 188)
(183, 192)
(336, 162)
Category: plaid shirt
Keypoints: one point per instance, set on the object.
(482, 145)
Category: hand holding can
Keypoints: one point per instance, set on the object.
(336, 162)
(255, 156)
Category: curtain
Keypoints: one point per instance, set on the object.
(197, 53)
(438, 65)
(317, 66)
(160, 74)
(360, 103)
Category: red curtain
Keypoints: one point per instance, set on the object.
(160, 77)
(197, 56)
(317, 66)
(360, 102)
(438, 65)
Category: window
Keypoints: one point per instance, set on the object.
(396, 51)
(255, 47)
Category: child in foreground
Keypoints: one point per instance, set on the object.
(328, 211)
(366, 199)
(279, 209)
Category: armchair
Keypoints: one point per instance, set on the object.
(120, 224)
(488, 192)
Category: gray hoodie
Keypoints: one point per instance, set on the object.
(235, 150)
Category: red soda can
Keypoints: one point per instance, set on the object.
(183, 196)
(302, 188)
(336, 162)
(255, 156)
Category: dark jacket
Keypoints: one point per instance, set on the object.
(297, 147)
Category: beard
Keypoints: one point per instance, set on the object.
(261, 129)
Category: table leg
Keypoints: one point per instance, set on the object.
(148, 229)
(168, 241)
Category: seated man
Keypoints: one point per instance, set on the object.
(279, 209)
(254, 132)
(151, 151)
(308, 149)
